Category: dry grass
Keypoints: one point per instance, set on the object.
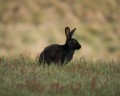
(21, 75)
(28, 27)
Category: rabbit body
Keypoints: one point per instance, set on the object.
(60, 54)
(56, 54)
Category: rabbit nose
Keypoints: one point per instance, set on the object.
(79, 46)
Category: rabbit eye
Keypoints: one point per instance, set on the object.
(75, 41)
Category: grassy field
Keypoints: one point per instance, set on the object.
(22, 76)
(28, 26)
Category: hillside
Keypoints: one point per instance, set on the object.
(27, 26)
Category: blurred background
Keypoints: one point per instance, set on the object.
(28, 26)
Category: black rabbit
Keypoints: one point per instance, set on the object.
(60, 54)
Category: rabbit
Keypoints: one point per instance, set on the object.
(60, 54)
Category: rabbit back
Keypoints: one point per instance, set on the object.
(53, 54)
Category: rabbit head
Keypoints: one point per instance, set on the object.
(71, 42)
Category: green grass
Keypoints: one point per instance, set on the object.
(22, 76)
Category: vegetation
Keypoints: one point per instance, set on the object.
(23, 76)
(28, 26)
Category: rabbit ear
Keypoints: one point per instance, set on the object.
(72, 32)
(67, 32)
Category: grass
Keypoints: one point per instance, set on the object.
(22, 76)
